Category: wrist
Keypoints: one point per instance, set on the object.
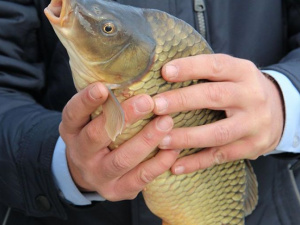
(277, 108)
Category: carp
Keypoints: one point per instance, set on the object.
(125, 48)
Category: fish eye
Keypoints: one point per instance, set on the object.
(108, 28)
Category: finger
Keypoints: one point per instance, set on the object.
(214, 67)
(217, 133)
(134, 151)
(212, 95)
(213, 156)
(134, 109)
(134, 181)
(76, 113)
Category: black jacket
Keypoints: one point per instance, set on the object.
(36, 83)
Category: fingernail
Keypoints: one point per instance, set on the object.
(95, 92)
(161, 104)
(219, 157)
(164, 124)
(179, 170)
(142, 104)
(171, 72)
(165, 142)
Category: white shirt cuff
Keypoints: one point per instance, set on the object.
(64, 180)
(290, 140)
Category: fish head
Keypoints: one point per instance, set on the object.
(106, 41)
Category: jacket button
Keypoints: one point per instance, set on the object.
(296, 141)
(42, 203)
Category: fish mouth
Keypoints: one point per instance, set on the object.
(58, 11)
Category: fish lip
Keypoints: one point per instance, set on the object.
(81, 9)
(58, 11)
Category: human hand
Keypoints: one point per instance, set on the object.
(252, 102)
(118, 174)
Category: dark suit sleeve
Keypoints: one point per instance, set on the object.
(290, 64)
(28, 131)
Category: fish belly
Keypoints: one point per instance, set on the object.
(214, 196)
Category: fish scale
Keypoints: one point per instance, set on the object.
(197, 198)
(220, 195)
(152, 83)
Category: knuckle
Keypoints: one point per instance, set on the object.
(182, 99)
(262, 96)
(256, 89)
(258, 95)
(92, 134)
(147, 139)
(217, 62)
(249, 65)
(262, 143)
(186, 139)
(222, 135)
(68, 113)
(107, 171)
(254, 148)
(163, 164)
(145, 177)
(199, 165)
(120, 162)
(215, 92)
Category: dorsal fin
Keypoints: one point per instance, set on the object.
(251, 195)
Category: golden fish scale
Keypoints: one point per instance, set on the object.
(212, 196)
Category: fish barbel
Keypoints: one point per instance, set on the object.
(125, 48)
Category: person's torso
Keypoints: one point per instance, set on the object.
(249, 29)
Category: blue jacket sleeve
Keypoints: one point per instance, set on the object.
(290, 64)
(290, 67)
(28, 131)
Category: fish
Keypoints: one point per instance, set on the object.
(125, 48)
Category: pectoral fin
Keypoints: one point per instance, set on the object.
(114, 116)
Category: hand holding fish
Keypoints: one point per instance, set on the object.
(252, 102)
(118, 174)
(127, 56)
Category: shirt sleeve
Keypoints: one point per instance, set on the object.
(64, 181)
(290, 140)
